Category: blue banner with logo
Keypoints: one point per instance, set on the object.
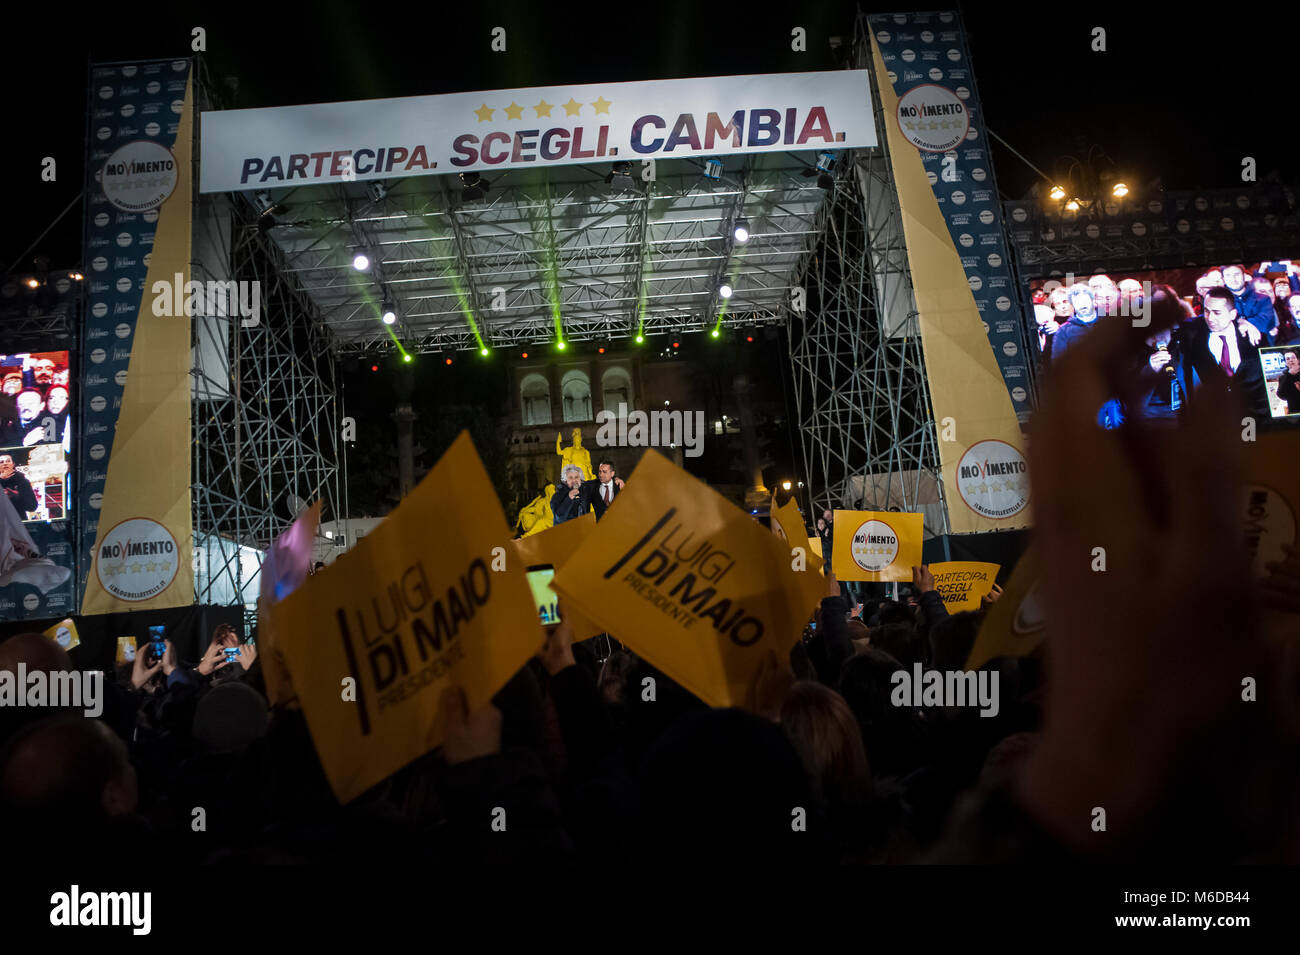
(134, 118)
(939, 113)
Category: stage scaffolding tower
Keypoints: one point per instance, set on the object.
(266, 411)
(862, 398)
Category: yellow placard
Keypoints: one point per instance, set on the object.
(961, 583)
(690, 582)
(125, 650)
(64, 633)
(555, 546)
(816, 544)
(1015, 625)
(787, 524)
(427, 600)
(1270, 511)
(876, 545)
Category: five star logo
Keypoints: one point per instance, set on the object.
(543, 108)
(514, 111)
(484, 113)
(572, 108)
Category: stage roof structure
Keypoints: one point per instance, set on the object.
(550, 253)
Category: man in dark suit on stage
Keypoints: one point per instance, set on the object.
(1224, 346)
(603, 488)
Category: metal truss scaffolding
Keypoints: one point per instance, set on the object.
(266, 419)
(862, 398)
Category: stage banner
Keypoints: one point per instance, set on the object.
(555, 546)
(980, 445)
(428, 600)
(787, 524)
(134, 500)
(690, 582)
(962, 583)
(938, 114)
(541, 126)
(876, 545)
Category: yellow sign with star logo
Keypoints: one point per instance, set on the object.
(876, 545)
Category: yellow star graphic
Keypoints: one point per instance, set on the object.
(996, 487)
(984, 488)
(602, 105)
(571, 108)
(166, 566)
(543, 108)
(135, 568)
(514, 111)
(484, 113)
(151, 566)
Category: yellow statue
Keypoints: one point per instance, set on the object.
(536, 515)
(575, 454)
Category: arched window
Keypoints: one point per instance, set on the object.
(616, 389)
(575, 389)
(535, 400)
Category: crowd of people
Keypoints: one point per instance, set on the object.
(37, 386)
(1134, 705)
(1221, 332)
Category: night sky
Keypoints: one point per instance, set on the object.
(1162, 101)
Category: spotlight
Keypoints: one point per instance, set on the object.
(483, 351)
(1057, 193)
(449, 361)
(785, 485)
(724, 290)
(742, 231)
(374, 367)
(1119, 190)
(77, 277)
(1073, 205)
(713, 169)
(640, 339)
(601, 350)
(825, 162)
(749, 338)
(621, 175)
(389, 313)
(476, 186)
(33, 283)
(360, 262)
(560, 345)
(407, 358)
(525, 354)
(715, 333)
(675, 344)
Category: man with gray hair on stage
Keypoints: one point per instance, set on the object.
(569, 502)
